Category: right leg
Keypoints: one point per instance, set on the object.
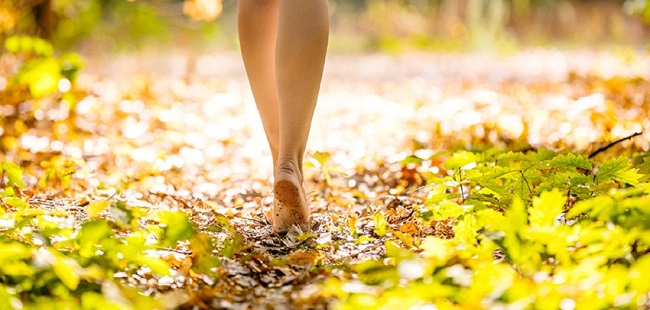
(258, 29)
(303, 34)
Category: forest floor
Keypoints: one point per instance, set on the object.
(164, 132)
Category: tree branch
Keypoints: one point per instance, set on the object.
(606, 147)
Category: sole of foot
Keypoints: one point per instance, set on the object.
(290, 203)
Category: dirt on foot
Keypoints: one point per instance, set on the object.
(290, 203)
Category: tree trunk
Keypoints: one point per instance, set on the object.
(45, 19)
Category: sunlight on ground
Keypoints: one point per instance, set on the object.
(371, 106)
(155, 133)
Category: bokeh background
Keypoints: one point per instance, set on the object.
(393, 26)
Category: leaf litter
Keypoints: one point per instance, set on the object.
(133, 146)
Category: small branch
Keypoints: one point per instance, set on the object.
(530, 190)
(606, 147)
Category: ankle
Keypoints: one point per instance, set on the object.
(287, 163)
(288, 166)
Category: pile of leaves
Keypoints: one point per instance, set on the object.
(155, 193)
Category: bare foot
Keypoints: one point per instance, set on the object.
(290, 203)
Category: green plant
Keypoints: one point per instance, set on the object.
(47, 261)
(534, 229)
(42, 72)
(638, 7)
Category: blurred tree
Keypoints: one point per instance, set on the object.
(639, 7)
(486, 20)
(45, 18)
(60, 21)
(65, 22)
(391, 25)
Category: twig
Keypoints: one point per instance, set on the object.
(606, 147)
(530, 190)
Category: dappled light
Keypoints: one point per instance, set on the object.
(473, 160)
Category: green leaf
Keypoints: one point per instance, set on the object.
(71, 63)
(571, 161)
(177, 227)
(618, 169)
(121, 213)
(639, 274)
(205, 263)
(537, 158)
(96, 207)
(364, 239)
(42, 47)
(495, 172)
(506, 158)
(490, 219)
(12, 44)
(446, 209)
(547, 207)
(202, 246)
(26, 44)
(523, 181)
(595, 205)
(494, 187)
(411, 159)
(18, 268)
(517, 217)
(156, 264)
(95, 301)
(40, 75)
(438, 249)
(380, 224)
(13, 251)
(395, 251)
(233, 245)
(461, 160)
(516, 221)
(406, 238)
(321, 157)
(374, 272)
(13, 173)
(15, 202)
(540, 155)
(465, 230)
(91, 234)
(8, 299)
(630, 176)
(66, 269)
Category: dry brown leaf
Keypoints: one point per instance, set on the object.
(410, 228)
(305, 257)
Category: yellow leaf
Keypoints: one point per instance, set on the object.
(157, 265)
(439, 249)
(97, 207)
(380, 224)
(491, 220)
(305, 257)
(66, 270)
(465, 230)
(547, 207)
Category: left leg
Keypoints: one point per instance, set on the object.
(258, 27)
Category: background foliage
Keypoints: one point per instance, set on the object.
(358, 25)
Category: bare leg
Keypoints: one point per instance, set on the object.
(258, 28)
(285, 74)
(300, 56)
